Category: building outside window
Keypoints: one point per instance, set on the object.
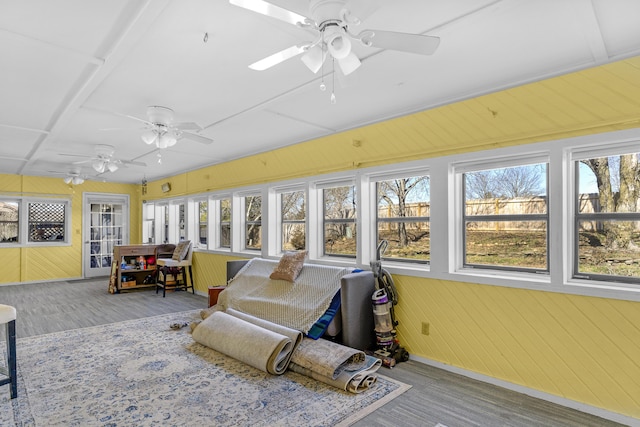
(292, 214)
(9, 221)
(505, 218)
(340, 221)
(403, 210)
(607, 219)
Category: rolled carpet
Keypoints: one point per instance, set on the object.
(295, 336)
(254, 345)
(327, 358)
(351, 380)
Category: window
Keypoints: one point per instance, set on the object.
(9, 221)
(339, 221)
(47, 221)
(148, 223)
(202, 208)
(402, 218)
(29, 221)
(607, 220)
(505, 218)
(225, 223)
(253, 222)
(292, 218)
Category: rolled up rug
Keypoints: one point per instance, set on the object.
(351, 380)
(254, 345)
(295, 336)
(327, 358)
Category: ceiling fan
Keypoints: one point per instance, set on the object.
(104, 160)
(332, 22)
(72, 177)
(161, 131)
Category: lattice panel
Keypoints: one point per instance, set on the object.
(46, 221)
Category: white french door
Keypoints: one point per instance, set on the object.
(105, 225)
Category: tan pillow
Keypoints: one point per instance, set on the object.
(289, 266)
(181, 250)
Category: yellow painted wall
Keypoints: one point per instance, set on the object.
(582, 348)
(33, 264)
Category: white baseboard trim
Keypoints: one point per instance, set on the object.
(583, 407)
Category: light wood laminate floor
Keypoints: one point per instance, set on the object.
(436, 396)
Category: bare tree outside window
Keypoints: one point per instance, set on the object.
(505, 218)
(225, 223)
(253, 222)
(403, 217)
(608, 217)
(203, 220)
(293, 214)
(340, 221)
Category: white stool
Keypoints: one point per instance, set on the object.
(8, 317)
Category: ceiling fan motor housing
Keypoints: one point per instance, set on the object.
(159, 115)
(325, 10)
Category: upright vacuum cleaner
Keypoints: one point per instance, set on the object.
(384, 299)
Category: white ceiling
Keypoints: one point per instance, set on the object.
(72, 70)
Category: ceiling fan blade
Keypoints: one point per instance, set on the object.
(198, 138)
(187, 126)
(349, 64)
(75, 155)
(314, 58)
(412, 43)
(268, 9)
(132, 163)
(278, 57)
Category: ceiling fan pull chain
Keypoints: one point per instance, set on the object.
(333, 81)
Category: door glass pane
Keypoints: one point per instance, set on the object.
(105, 232)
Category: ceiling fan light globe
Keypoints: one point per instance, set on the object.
(98, 165)
(77, 180)
(349, 64)
(339, 46)
(112, 167)
(314, 58)
(149, 137)
(68, 179)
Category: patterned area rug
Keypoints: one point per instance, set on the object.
(143, 373)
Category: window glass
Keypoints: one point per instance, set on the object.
(225, 223)
(202, 213)
(253, 222)
(505, 218)
(292, 210)
(9, 221)
(340, 221)
(148, 223)
(608, 218)
(46, 221)
(403, 218)
(182, 231)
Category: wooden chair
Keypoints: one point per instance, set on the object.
(176, 267)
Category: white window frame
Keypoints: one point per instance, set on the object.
(23, 222)
(319, 234)
(445, 217)
(573, 155)
(193, 222)
(239, 207)
(275, 202)
(369, 183)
